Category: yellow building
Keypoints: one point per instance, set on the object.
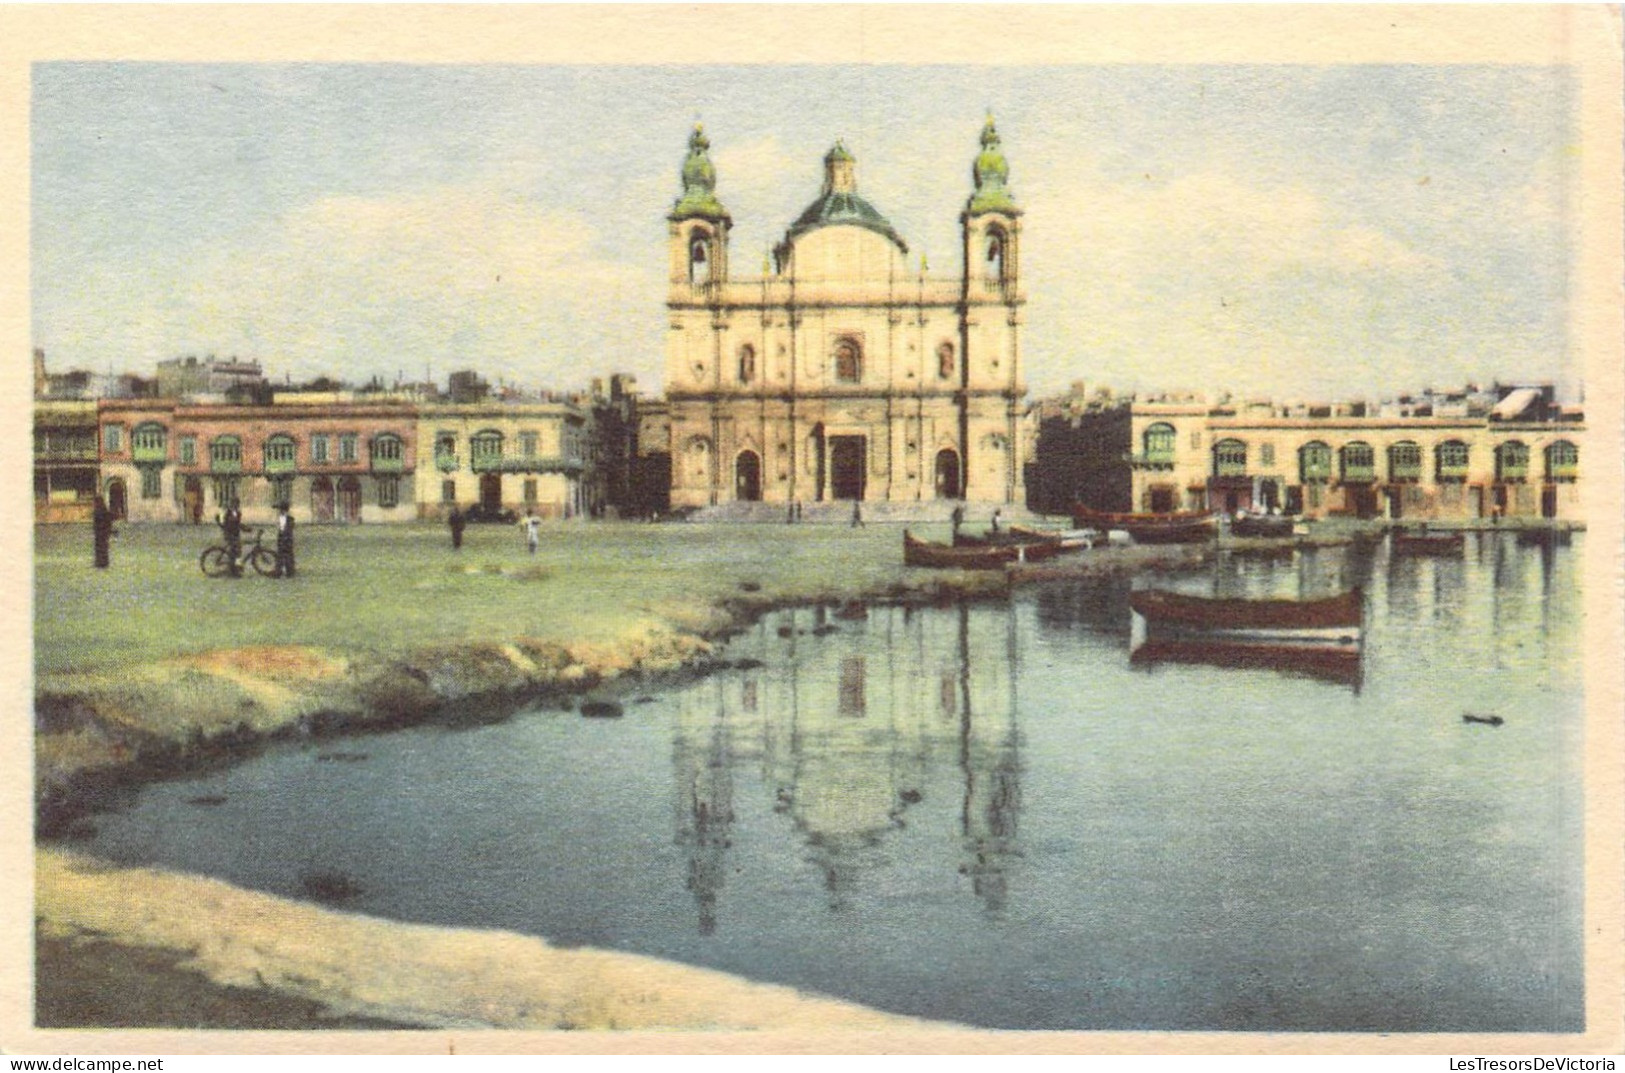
(503, 456)
(1513, 457)
(845, 371)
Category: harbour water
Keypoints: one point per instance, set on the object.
(989, 813)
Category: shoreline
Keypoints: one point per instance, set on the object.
(100, 736)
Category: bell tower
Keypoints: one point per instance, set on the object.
(698, 224)
(992, 227)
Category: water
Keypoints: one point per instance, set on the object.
(985, 813)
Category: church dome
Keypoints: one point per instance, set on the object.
(840, 204)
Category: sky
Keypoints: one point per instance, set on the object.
(1296, 232)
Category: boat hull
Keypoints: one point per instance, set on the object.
(1187, 527)
(1429, 544)
(917, 552)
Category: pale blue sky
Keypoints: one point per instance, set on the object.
(1292, 231)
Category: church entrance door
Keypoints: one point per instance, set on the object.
(748, 477)
(947, 475)
(491, 493)
(846, 467)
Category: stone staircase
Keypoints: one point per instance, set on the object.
(839, 512)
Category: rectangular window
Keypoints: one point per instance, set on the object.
(347, 447)
(113, 438)
(188, 450)
(527, 444)
(152, 482)
(1196, 438)
(448, 491)
(1266, 454)
(281, 492)
(389, 491)
(530, 490)
(225, 491)
(319, 449)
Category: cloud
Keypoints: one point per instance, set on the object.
(444, 277)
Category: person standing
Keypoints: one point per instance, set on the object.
(957, 518)
(284, 543)
(101, 528)
(231, 524)
(997, 515)
(533, 530)
(456, 521)
(857, 513)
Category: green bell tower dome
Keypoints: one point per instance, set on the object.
(990, 172)
(699, 197)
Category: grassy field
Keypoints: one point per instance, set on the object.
(392, 588)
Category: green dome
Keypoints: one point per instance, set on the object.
(990, 173)
(699, 182)
(840, 204)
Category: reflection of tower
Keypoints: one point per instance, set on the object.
(988, 758)
(702, 762)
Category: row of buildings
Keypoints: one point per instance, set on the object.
(844, 371)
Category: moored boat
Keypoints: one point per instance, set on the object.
(1179, 527)
(917, 552)
(1262, 525)
(1334, 620)
(1423, 542)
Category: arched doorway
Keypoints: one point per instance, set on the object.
(748, 477)
(321, 499)
(192, 500)
(846, 467)
(117, 499)
(947, 474)
(350, 499)
(491, 493)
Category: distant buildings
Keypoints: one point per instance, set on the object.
(1503, 452)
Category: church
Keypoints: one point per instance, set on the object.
(845, 371)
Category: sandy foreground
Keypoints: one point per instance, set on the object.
(277, 962)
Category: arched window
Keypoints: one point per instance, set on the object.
(1358, 463)
(1314, 462)
(225, 452)
(1450, 462)
(1404, 463)
(1562, 462)
(1159, 444)
(148, 442)
(387, 451)
(485, 450)
(1230, 459)
(945, 361)
(699, 255)
(1512, 461)
(848, 360)
(279, 453)
(995, 255)
(747, 364)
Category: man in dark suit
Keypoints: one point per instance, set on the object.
(284, 543)
(101, 528)
(231, 524)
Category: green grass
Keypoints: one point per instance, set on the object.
(394, 588)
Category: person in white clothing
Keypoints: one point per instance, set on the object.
(533, 531)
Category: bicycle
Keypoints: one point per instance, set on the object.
(216, 560)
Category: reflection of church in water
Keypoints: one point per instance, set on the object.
(911, 722)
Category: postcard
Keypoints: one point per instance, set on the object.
(824, 528)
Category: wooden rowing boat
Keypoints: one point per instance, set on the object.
(1421, 542)
(917, 552)
(1262, 525)
(1179, 527)
(1334, 620)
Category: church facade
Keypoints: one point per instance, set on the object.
(843, 371)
